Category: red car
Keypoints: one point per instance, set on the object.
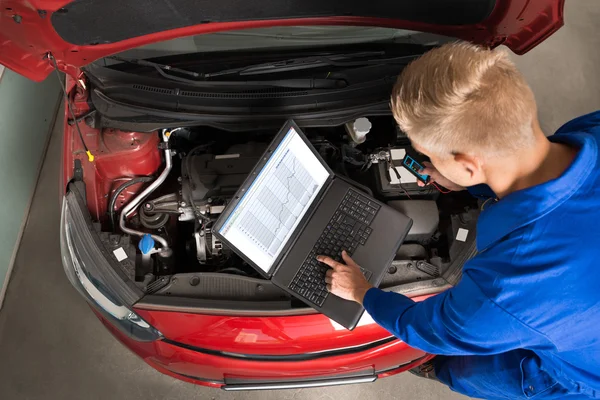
(169, 105)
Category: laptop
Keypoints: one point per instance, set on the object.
(292, 208)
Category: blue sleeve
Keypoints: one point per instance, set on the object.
(459, 321)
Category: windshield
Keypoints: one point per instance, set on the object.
(281, 37)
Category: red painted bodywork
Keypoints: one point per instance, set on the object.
(267, 336)
(520, 25)
(110, 148)
(121, 155)
(260, 335)
(211, 370)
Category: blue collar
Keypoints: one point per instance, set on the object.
(525, 206)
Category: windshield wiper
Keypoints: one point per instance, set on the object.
(311, 62)
(160, 68)
(307, 83)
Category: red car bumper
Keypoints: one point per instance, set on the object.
(243, 371)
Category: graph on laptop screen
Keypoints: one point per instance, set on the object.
(272, 207)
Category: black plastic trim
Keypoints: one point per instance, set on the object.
(126, 292)
(216, 306)
(285, 357)
(197, 378)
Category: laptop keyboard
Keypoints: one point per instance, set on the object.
(347, 229)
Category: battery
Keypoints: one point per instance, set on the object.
(400, 183)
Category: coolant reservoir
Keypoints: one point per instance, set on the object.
(358, 129)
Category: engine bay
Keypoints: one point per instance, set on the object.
(203, 167)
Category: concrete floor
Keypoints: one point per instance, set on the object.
(52, 347)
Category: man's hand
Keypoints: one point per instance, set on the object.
(345, 281)
(435, 176)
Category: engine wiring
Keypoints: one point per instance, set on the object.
(491, 200)
(189, 235)
(118, 191)
(439, 189)
(70, 107)
(405, 192)
(393, 167)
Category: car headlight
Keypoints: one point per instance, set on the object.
(90, 271)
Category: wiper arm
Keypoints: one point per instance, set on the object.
(295, 64)
(160, 68)
(308, 83)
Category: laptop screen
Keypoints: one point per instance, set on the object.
(268, 213)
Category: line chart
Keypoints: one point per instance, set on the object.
(280, 202)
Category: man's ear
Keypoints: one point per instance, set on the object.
(469, 163)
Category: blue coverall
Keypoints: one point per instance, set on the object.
(524, 321)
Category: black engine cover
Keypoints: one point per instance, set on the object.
(220, 175)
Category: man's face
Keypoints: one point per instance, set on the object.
(464, 170)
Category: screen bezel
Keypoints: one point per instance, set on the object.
(248, 182)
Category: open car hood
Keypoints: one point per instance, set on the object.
(79, 32)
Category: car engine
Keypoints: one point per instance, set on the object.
(209, 165)
(207, 181)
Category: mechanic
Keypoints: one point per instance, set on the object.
(524, 321)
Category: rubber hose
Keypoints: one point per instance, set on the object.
(118, 191)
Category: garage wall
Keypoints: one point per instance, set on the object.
(563, 71)
(27, 111)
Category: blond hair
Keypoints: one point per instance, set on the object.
(462, 98)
